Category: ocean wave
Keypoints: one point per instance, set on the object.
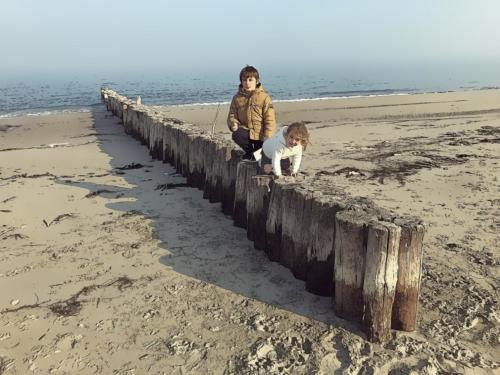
(197, 104)
(44, 112)
(340, 97)
(289, 100)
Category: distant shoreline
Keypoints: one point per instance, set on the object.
(335, 97)
(88, 107)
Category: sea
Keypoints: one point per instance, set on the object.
(49, 93)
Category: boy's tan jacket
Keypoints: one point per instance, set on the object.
(253, 111)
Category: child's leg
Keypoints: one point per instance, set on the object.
(256, 145)
(242, 138)
(265, 161)
(286, 167)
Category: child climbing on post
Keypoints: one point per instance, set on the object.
(282, 153)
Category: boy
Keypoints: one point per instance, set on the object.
(251, 115)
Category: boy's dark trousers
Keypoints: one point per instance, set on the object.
(241, 137)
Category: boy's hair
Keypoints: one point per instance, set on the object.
(249, 71)
(299, 130)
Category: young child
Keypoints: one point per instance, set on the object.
(251, 115)
(286, 144)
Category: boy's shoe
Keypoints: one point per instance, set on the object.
(247, 157)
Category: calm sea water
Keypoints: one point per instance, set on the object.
(72, 92)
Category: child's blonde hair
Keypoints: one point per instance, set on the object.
(299, 130)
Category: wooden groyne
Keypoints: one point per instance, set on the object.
(367, 259)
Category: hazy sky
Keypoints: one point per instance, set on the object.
(52, 36)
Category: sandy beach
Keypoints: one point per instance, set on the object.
(111, 264)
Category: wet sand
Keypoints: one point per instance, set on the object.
(110, 264)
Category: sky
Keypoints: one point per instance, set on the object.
(95, 36)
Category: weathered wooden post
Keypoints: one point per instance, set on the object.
(184, 139)
(258, 193)
(128, 122)
(244, 173)
(167, 140)
(219, 155)
(211, 167)
(229, 172)
(379, 285)
(274, 222)
(139, 124)
(286, 258)
(158, 138)
(174, 147)
(351, 230)
(150, 135)
(404, 311)
(154, 137)
(295, 234)
(321, 250)
(197, 156)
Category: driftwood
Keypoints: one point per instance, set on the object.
(379, 284)
(404, 312)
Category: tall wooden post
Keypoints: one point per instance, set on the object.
(321, 250)
(379, 285)
(351, 231)
(229, 180)
(258, 193)
(244, 173)
(196, 176)
(404, 313)
(296, 224)
(273, 223)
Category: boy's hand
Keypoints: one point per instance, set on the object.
(268, 168)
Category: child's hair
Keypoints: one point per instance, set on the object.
(299, 130)
(249, 71)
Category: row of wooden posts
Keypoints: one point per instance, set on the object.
(369, 260)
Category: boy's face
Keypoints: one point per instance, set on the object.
(249, 83)
(292, 140)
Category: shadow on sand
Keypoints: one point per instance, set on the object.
(199, 241)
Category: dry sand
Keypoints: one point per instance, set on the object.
(110, 264)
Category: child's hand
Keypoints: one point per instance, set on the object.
(268, 168)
